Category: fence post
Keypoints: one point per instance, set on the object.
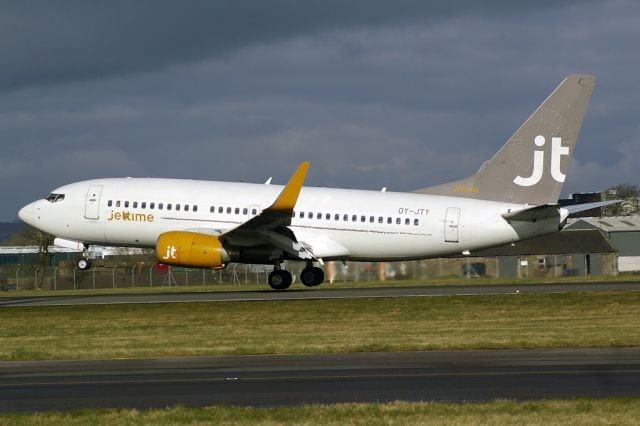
(133, 277)
(186, 276)
(113, 276)
(18, 278)
(74, 277)
(35, 277)
(55, 278)
(93, 277)
(203, 280)
(151, 276)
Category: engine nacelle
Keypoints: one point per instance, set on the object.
(191, 249)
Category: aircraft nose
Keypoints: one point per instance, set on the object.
(26, 213)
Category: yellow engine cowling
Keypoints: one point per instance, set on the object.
(192, 249)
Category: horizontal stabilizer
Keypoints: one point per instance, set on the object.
(576, 208)
(531, 214)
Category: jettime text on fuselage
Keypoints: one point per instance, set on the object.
(132, 217)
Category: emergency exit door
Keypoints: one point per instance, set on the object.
(451, 225)
(92, 208)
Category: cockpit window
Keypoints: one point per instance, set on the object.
(54, 198)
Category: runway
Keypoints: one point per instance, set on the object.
(324, 292)
(330, 378)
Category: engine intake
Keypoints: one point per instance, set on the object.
(192, 249)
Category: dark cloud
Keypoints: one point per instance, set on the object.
(64, 41)
(402, 96)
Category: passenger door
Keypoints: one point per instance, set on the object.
(92, 207)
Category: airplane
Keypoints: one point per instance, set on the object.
(207, 224)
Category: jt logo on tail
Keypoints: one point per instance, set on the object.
(557, 151)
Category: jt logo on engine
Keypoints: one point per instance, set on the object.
(171, 253)
(557, 151)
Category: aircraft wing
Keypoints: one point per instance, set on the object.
(270, 226)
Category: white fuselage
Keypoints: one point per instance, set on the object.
(337, 223)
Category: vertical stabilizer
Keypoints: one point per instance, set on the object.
(530, 168)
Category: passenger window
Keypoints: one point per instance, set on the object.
(126, 204)
(195, 207)
(380, 219)
(354, 218)
(336, 217)
(186, 207)
(237, 210)
(255, 212)
(302, 215)
(389, 220)
(328, 216)
(407, 221)
(160, 206)
(372, 219)
(169, 206)
(415, 222)
(398, 221)
(363, 218)
(212, 209)
(220, 209)
(177, 207)
(118, 203)
(152, 206)
(109, 203)
(228, 210)
(319, 216)
(135, 204)
(245, 211)
(143, 205)
(345, 217)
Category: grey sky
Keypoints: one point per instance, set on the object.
(400, 94)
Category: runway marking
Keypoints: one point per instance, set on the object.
(390, 296)
(325, 378)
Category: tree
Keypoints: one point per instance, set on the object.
(30, 236)
(629, 194)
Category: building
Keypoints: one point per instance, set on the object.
(624, 233)
(579, 252)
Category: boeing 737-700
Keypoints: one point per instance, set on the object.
(205, 224)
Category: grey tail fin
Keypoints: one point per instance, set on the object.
(530, 168)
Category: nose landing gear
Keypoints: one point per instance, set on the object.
(84, 264)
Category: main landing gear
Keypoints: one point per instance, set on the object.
(310, 276)
(85, 263)
(280, 279)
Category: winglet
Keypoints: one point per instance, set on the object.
(289, 196)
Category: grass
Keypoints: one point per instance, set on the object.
(552, 412)
(350, 284)
(313, 326)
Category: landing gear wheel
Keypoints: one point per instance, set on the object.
(280, 279)
(84, 264)
(312, 276)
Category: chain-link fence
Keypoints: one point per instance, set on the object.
(145, 274)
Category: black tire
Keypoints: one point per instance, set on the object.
(84, 264)
(308, 277)
(280, 280)
(319, 274)
(312, 277)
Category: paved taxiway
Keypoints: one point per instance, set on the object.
(329, 378)
(325, 292)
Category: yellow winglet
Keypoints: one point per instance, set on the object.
(289, 196)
